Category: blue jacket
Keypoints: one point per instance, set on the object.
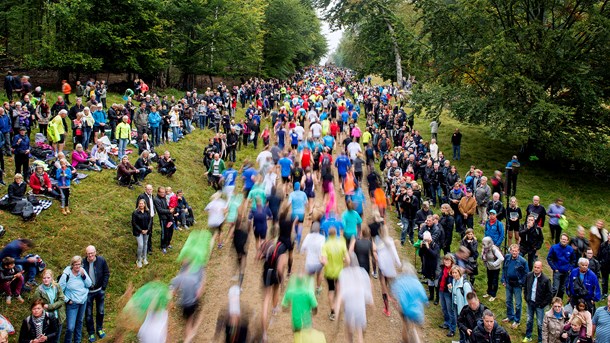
(514, 270)
(590, 282)
(495, 232)
(99, 117)
(75, 287)
(23, 146)
(561, 258)
(65, 180)
(5, 123)
(14, 250)
(154, 119)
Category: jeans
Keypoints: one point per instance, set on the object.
(203, 120)
(30, 270)
(175, 133)
(86, 137)
(492, 282)
(559, 283)
(7, 143)
(187, 125)
(447, 308)
(156, 135)
(513, 312)
(532, 310)
(74, 322)
(122, 147)
(456, 152)
(142, 246)
(143, 172)
(98, 297)
(531, 258)
(435, 192)
(408, 225)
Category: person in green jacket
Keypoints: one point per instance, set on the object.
(215, 171)
(123, 132)
(54, 299)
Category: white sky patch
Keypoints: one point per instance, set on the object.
(333, 38)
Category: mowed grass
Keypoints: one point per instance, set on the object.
(101, 216)
(102, 212)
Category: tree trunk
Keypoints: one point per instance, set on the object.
(397, 57)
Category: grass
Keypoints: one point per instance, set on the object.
(101, 213)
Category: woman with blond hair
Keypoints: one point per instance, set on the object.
(75, 283)
(447, 223)
(54, 300)
(63, 175)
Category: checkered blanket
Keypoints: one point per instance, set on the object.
(42, 205)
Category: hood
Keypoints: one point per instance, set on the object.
(297, 186)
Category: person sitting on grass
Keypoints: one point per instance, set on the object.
(40, 181)
(143, 165)
(127, 174)
(81, 160)
(11, 280)
(166, 165)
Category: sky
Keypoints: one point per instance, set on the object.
(332, 37)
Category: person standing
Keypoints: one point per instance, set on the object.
(456, 141)
(514, 273)
(21, 148)
(488, 330)
(603, 256)
(493, 258)
(537, 210)
(553, 322)
(583, 284)
(165, 219)
(434, 129)
(494, 229)
(141, 220)
(556, 210)
(470, 316)
(531, 239)
(97, 269)
(561, 259)
(601, 323)
(9, 82)
(467, 207)
(75, 283)
(538, 296)
(512, 172)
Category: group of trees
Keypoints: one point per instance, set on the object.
(533, 71)
(152, 38)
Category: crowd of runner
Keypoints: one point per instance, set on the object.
(329, 187)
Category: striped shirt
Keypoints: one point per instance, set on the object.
(601, 320)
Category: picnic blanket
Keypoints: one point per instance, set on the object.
(42, 205)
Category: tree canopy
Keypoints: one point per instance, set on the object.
(151, 37)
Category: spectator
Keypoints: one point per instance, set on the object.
(583, 284)
(601, 323)
(579, 242)
(580, 311)
(467, 207)
(604, 259)
(493, 259)
(81, 160)
(75, 283)
(459, 287)
(594, 265)
(530, 241)
(54, 300)
(41, 183)
(166, 165)
(11, 280)
(553, 323)
(482, 196)
(537, 296)
(456, 141)
(513, 212)
(573, 332)
(470, 316)
(123, 133)
(472, 245)
(429, 252)
(556, 210)
(21, 148)
(16, 249)
(488, 330)
(66, 90)
(446, 222)
(514, 273)
(39, 326)
(165, 219)
(537, 210)
(127, 174)
(434, 129)
(98, 271)
(512, 173)
(494, 229)
(444, 280)
(561, 259)
(143, 165)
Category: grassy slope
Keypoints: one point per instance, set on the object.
(101, 212)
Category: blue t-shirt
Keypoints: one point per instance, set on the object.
(298, 199)
(229, 175)
(285, 166)
(248, 175)
(259, 218)
(331, 222)
(342, 163)
(358, 200)
(294, 138)
(281, 137)
(323, 116)
(329, 141)
(344, 116)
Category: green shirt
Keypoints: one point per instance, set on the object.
(303, 300)
(334, 250)
(257, 192)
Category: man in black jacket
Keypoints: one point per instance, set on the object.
(232, 139)
(488, 330)
(8, 85)
(470, 316)
(98, 271)
(148, 197)
(538, 294)
(165, 219)
(531, 240)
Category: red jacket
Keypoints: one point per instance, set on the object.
(35, 182)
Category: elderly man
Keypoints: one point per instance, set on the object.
(583, 284)
(467, 207)
(166, 165)
(98, 271)
(514, 273)
(537, 295)
(217, 167)
(483, 195)
(537, 210)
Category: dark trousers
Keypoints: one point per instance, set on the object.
(605, 273)
(493, 277)
(231, 153)
(555, 233)
(150, 234)
(511, 184)
(531, 258)
(166, 234)
(22, 164)
(559, 283)
(97, 297)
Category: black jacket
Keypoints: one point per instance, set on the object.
(531, 239)
(102, 273)
(143, 146)
(498, 207)
(16, 192)
(497, 334)
(468, 318)
(162, 209)
(140, 221)
(28, 329)
(544, 295)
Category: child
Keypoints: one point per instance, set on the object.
(102, 160)
(11, 280)
(580, 312)
(573, 333)
(173, 204)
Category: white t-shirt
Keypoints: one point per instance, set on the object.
(216, 212)
(353, 149)
(300, 132)
(312, 245)
(434, 151)
(312, 115)
(316, 130)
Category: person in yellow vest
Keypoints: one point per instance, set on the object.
(57, 132)
(123, 132)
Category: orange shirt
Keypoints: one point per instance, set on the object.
(380, 199)
(66, 89)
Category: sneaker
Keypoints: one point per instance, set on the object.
(186, 227)
(332, 316)
(450, 334)
(20, 299)
(220, 246)
(491, 299)
(386, 312)
(515, 325)
(170, 247)
(92, 338)
(139, 263)
(443, 326)
(145, 262)
(526, 339)
(8, 300)
(505, 320)
(101, 333)
(164, 251)
(486, 296)
(399, 224)
(375, 275)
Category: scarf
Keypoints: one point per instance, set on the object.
(38, 324)
(492, 221)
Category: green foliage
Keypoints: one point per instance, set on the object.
(534, 71)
